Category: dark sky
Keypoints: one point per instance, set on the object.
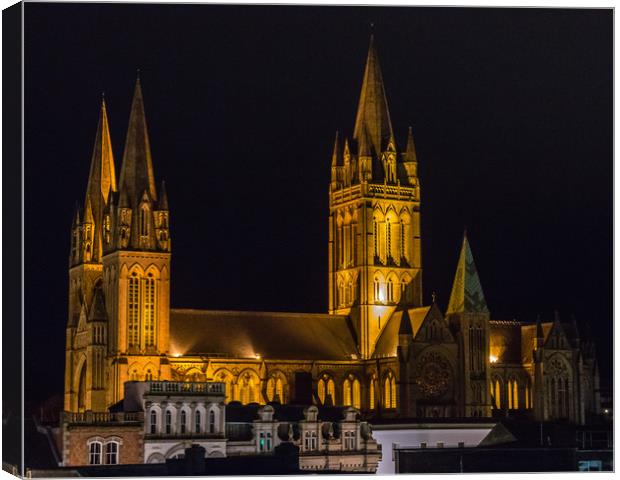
(511, 110)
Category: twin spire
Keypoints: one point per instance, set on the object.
(136, 175)
(101, 182)
(137, 168)
(98, 227)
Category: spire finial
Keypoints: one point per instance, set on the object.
(434, 295)
(137, 74)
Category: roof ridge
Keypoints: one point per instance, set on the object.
(254, 312)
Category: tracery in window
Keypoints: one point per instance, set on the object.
(133, 324)
(149, 310)
(389, 392)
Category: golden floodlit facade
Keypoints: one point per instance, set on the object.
(378, 348)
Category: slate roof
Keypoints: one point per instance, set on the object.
(388, 340)
(467, 295)
(272, 335)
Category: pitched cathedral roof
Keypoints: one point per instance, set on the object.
(273, 335)
(467, 295)
(388, 340)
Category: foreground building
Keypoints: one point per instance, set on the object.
(158, 421)
(379, 349)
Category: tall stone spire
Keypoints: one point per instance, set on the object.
(101, 182)
(467, 295)
(372, 110)
(137, 168)
(102, 176)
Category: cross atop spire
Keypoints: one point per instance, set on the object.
(467, 295)
(137, 168)
(372, 111)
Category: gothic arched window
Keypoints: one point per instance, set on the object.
(279, 390)
(403, 241)
(346, 393)
(357, 394)
(498, 395)
(378, 295)
(321, 390)
(149, 310)
(371, 394)
(388, 238)
(331, 390)
(389, 391)
(133, 324)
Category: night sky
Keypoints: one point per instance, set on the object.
(512, 117)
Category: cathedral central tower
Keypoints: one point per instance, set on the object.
(375, 263)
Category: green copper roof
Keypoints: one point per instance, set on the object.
(467, 295)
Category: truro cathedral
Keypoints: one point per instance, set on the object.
(379, 348)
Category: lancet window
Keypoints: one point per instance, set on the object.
(133, 323)
(142, 310)
(389, 391)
